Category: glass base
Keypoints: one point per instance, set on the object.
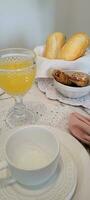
(13, 120)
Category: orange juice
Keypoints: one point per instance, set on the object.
(18, 77)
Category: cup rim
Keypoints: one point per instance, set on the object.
(32, 126)
(12, 51)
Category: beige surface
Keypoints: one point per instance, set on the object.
(72, 16)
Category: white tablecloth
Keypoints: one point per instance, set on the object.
(48, 112)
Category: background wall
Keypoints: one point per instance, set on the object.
(26, 23)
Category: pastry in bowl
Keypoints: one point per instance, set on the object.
(71, 84)
(71, 78)
(79, 79)
(62, 77)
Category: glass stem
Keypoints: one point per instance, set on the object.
(19, 107)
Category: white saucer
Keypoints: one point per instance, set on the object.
(75, 153)
(61, 186)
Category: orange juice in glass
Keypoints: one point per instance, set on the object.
(17, 73)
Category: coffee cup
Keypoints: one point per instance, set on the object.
(32, 154)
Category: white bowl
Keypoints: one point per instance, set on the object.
(71, 92)
(32, 154)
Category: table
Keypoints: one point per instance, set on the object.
(47, 112)
(57, 112)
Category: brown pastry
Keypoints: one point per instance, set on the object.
(61, 77)
(54, 44)
(75, 47)
(76, 79)
(79, 78)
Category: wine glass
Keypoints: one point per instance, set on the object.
(17, 73)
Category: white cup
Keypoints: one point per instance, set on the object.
(32, 155)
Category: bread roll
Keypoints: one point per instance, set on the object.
(89, 42)
(75, 47)
(53, 45)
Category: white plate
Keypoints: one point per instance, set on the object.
(82, 161)
(61, 185)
